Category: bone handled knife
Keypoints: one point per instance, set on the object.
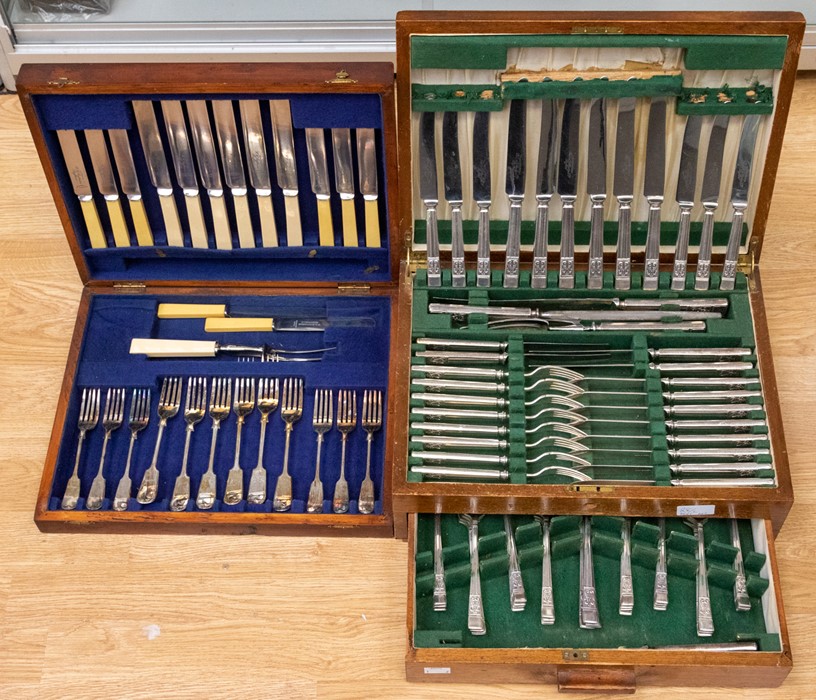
(545, 186)
(105, 182)
(653, 185)
(514, 187)
(739, 198)
(686, 186)
(429, 193)
(367, 164)
(319, 177)
(283, 142)
(452, 180)
(710, 195)
(258, 167)
(130, 184)
(567, 189)
(153, 148)
(185, 169)
(624, 189)
(81, 186)
(344, 183)
(596, 189)
(233, 162)
(482, 194)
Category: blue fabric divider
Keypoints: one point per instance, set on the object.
(359, 361)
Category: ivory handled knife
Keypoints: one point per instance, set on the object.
(344, 183)
(258, 167)
(653, 186)
(319, 177)
(567, 190)
(120, 145)
(429, 193)
(514, 187)
(545, 186)
(596, 189)
(482, 194)
(452, 172)
(686, 186)
(283, 143)
(624, 189)
(81, 186)
(105, 182)
(367, 164)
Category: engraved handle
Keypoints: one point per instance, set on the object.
(661, 583)
(71, 496)
(696, 367)
(726, 423)
(181, 489)
(588, 613)
(365, 502)
(701, 278)
(483, 250)
(733, 409)
(461, 457)
(432, 245)
(716, 353)
(206, 489)
(724, 483)
(651, 269)
(542, 227)
(282, 500)
(476, 618)
(340, 502)
(496, 345)
(269, 230)
(518, 598)
(705, 621)
(461, 472)
(150, 481)
(623, 263)
(315, 501)
(97, 493)
(742, 600)
(596, 229)
(456, 441)
(681, 250)
(566, 268)
(120, 499)
(457, 400)
(729, 272)
(446, 356)
(511, 261)
(234, 491)
(457, 246)
(349, 223)
(627, 593)
(440, 597)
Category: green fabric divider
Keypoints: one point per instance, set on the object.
(646, 627)
(757, 99)
(707, 52)
(484, 97)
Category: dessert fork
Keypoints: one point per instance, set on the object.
(195, 406)
(137, 421)
(322, 420)
(476, 618)
(243, 405)
(372, 422)
(169, 402)
(111, 420)
(220, 393)
(268, 400)
(88, 418)
(346, 422)
(291, 411)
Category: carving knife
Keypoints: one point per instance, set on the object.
(319, 177)
(739, 198)
(207, 157)
(367, 163)
(81, 186)
(130, 184)
(686, 186)
(233, 164)
(185, 169)
(452, 172)
(258, 166)
(106, 184)
(344, 183)
(545, 186)
(482, 193)
(710, 194)
(429, 193)
(157, 168)
(514, 186)
(596, 189)
(283, 141)
(624, 189)
(653, 184)
(567, 189)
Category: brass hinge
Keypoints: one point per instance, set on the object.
(747, 263)
(354, 289)
(597, 30)
(414, 258)
(341, 77)
(132, 287)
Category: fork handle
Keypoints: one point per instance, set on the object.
(149, 488)
(365, 502)
(262, 440)
(71, 495)
(155, 460)
(236, 462)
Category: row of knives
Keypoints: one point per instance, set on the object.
(204, 140)
(557, 172)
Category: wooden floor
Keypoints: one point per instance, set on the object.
(89, 616)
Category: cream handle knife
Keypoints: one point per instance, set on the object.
(344, 183)
(258, 166)
(367, 163)
(130, 185)
(284, 146)
(103, 172)
(319, 176)
(81, 186)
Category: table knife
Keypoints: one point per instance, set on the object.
(739, 198)
(319, 177)
(567, 189)
(233, 163)
(185, 169)
(710, 195)
(283, 141)
(429, 193)
(514, 187)
(207, 157)
(81, 186)
(596, 189)
(624, 189)
(106, 184)
(686, 186)
(482, 193)
(122, 155)
(452, 181)
(367, 164)
(258, 166)
(653, 185)
(153, 148)
(344, 183)
(545, 186)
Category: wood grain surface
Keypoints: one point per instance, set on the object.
(101, 616)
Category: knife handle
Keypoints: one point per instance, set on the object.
(191, 311)
(511, 261)
(566, 270)
(651, 269)
(162, 347)
(483, 250)
(349, 223)
(542, 225)
(457, 247)
(269, 231)
(681, 250)
(729, 272)
(246, 239)
(121, 237)
(372, 223)
(623, 264)
(144, 236)
(294, 232)
(325, 226)
(596, 226)
(432, 245)
(198, 231)
(223, 238)
(93, 224)
(703, 273)
(238, 325)
(172, 225)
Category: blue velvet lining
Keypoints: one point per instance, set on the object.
(360, 361)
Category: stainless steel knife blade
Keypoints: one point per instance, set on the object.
(482, 193)
(319, 177)
(545, 187)
(624, 189)
(452, 181)
(568, 189)
(106, 183)
(429, 193)
(258, 166)
(686, 188)
(653, 186)
(81, 186)
(367, 164)
(596, 189)
(122, 156)
(283, 142)
(514, 187)
(344, 183)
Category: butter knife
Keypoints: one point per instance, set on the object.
(258, 166)
(106, 184)
(567, 189)
(482, 193)
(429, 193)
(624, 189)
(653, 185)
(596, 189)
(452, 175)
(344, 183)
(686, 187)
(514, 187)
(130, 184)
(319, 177)
(367, 164)
(81, 186)
(283, 141)
(710, 194)
(545, 186)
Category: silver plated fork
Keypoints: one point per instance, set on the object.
(346, 422)
(169, 402)
(220, 393)
(372, 422)
(111, 420)
(137, 421)
(195, 407)
(547, 601)
(476, 616)
(88, 418)
(242, 406)
(268, 400)
(322, 421)
(291, 411)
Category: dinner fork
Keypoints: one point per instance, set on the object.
(195, 407)
(476, 617)
(346, 422)
(88, 418)
(111, 420)
(137, 421)
(242, 406)
(705, 619)
(291, 411)
(372, 422)
(220, 393)
(169, 402)
(268, 400)
(322, 420)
